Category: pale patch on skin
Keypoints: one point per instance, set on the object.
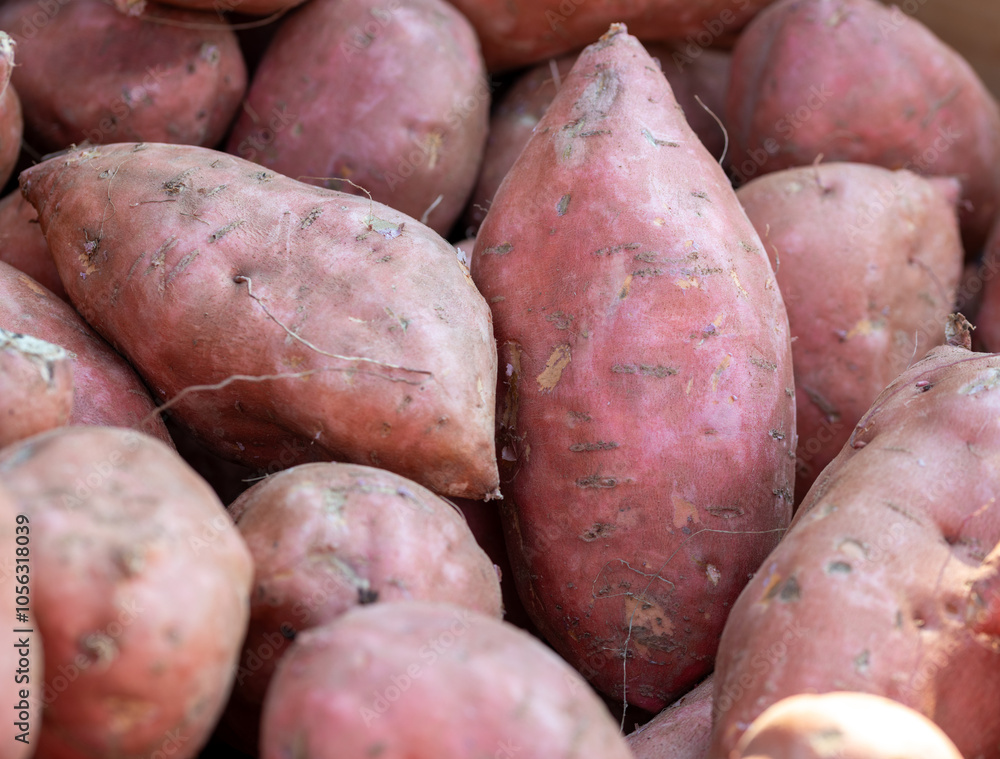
(718, 372)
(554, 368)
(684, 510)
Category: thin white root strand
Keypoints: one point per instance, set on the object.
(556, 79)
(211, 27)
(430, 209)
(294, 336)
(166, 406)
(725, 132)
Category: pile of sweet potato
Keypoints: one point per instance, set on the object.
(664, 294)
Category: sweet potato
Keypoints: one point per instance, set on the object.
(22, 244)
(681, 731)
(870, 589)
(515, 33)
(11, 119)
(704, 76)
(647, 420)
(352, 331)
(846, 726)
(19, 733)
(36, 386)
(88, 72)
(411, 134)
(427, 680)
(867, 260)
(140, 592)
(857, 81)
(108, 392)
(328, 537)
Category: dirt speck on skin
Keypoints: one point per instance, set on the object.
(596, 531)
(563, 205)
(596, 481)
(310, 218)
(598, 446)
(790, 590)
(223, 231)
(498, 250)
(99, 647)
(652, 140)
(177, 184)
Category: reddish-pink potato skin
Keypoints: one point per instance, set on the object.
(857, 81)
(523, 105)
(327, 537)
(646, 413)
(516, 33)
(140, 592)
(392, 96)
(36, 387)
(13, 524)
(681, 731)
(11, 118)
(867, 261)
(108, 392)
(844, 725)
(421, 680)
(870, 589)
(92, 73)
(392, 362)
(22, 244)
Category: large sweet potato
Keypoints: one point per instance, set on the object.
(108, 392)
(866, 260)
(88, 72)
(857, 81)
(420, 680)
(328, 537)
(870, 589)
(518, 32)
(391, 96)
(647, 424)
(140, 592)
(36, 386)
(11, 119)
(846, 726)
(354, 330)
(22, 244)
(704, 77)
